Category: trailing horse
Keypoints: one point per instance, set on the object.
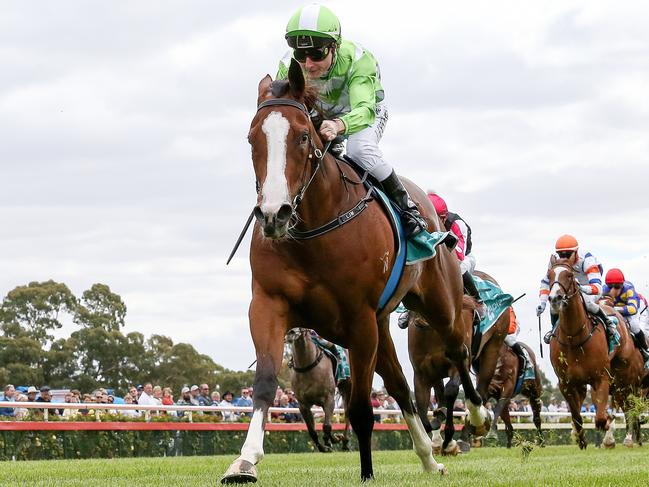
(431, 363)
(580, 356)
(503, 387)
(334, 280)
(314, 383)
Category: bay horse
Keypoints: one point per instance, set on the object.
(579, 355)
(432, 364)
(314, 383)
(333, 281)
(503, 387)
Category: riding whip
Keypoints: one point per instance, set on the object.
(243, 232)
(540, 342)
(518, 298)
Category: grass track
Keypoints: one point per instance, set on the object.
(559, 465)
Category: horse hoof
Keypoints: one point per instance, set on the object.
(628, 443)
(442, 469)
(325, 449)
(437, 450)
(240, 472)
(452, 449)
(492, 435)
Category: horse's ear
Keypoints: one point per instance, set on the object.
(553, 259)
(264, 85)
(296, 80)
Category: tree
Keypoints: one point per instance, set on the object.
(35, 308)
(101, 308)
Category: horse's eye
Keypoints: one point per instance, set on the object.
(304, 139)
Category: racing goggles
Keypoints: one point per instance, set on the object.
(316, 54)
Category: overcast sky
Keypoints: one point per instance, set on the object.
(124, 159)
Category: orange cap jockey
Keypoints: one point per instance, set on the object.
(566, 243)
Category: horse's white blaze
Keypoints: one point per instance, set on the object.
(274, 191)
(421, 443)
(477, 415)
(253, 448)
(555, 285)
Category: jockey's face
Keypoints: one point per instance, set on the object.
(615, 290)
(317, 69)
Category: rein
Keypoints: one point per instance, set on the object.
(341, 219)
(566, 298)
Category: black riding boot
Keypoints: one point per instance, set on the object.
(641, 342)
(471, 289)
(518, 350)
(610, 326)
(413, 222)
(548, 335)
(403, 320)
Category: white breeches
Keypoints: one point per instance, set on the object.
(363, 146)
(468, 264)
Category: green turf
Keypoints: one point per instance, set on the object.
(558, 465)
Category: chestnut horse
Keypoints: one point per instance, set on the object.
(334, 281)
(314, 382)
(432, 364)
(579, 355)
(503, 387)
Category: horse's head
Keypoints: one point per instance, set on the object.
(296, 334)
(284, 143)
(563, 285)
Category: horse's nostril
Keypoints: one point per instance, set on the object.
(259, 215)
(284, 213)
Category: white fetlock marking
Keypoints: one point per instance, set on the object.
(253, 448)
(477, 415)
(421, 443)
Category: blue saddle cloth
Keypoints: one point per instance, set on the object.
(496, 302)
(418, 248)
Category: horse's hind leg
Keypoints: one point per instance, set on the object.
(501, 406)
(344, 388)
(268, 322)
(395, 382)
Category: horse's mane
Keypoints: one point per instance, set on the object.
(280, 88)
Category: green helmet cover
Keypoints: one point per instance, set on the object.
(313, 26)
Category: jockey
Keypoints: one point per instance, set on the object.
(512, 335)
(630, 305)
(588, 272)
(455, 224)
(351, 98)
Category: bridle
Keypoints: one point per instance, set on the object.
(316, 156)
(567, 296)
(316, 361)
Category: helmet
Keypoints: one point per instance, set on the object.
(439, 204)
(614, 276)
(566, 243)
(313, 26)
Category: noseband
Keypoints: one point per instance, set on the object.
(341, 219)
(567, 295)
(315, 151)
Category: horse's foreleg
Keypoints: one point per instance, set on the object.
(575, 397)
(395, 382)
(268, 323)
(307, 415)
(509, 429)
(599, 395)
(326, 426)
(501, 406)
(362, 360)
